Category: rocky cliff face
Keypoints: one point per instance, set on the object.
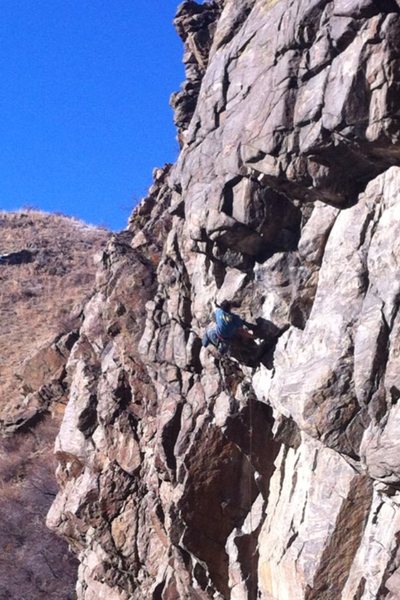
(272, 472)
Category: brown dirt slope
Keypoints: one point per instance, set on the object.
(40, 296)
(47, 271)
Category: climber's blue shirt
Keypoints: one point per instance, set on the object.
(227, 323)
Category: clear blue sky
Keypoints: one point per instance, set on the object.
(84, 113)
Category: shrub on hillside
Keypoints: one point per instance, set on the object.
(34, 563)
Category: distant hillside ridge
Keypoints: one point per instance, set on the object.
(47, 271)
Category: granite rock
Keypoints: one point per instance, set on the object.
(271, 472)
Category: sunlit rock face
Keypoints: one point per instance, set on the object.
(272, 472)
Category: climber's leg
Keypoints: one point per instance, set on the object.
(222, 347)
(210, 337)
(206, 340)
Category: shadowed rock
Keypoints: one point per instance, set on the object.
(17, 258)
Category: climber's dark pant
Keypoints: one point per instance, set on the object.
(211, 337)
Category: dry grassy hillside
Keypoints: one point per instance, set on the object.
(38, 299)
(34, 563)
(47, 271)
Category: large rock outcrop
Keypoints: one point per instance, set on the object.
(272, 472)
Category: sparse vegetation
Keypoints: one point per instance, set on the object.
(36, 297)
(34, 563)
(38, 301)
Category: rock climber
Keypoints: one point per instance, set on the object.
(228, 327)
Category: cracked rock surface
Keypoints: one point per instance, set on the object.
(272, 472)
